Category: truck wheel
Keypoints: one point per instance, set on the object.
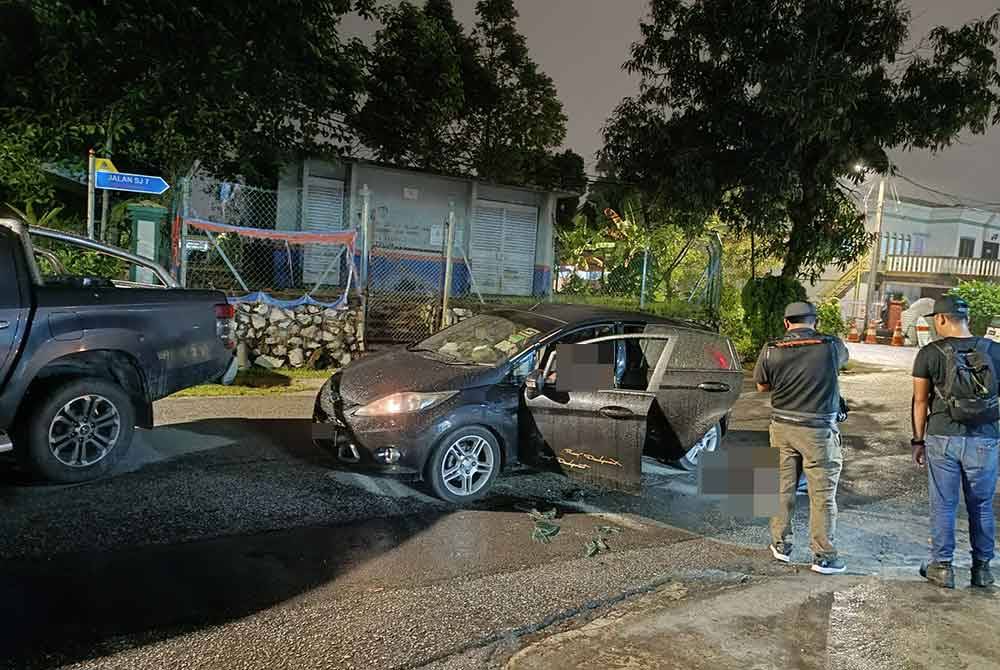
(80, 430)
(464, 465)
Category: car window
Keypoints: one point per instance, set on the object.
(640, 356)
(9, 292)
(700, 351)
(575, 337)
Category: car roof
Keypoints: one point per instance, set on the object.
(573, 314)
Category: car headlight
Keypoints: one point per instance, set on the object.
(403, 403)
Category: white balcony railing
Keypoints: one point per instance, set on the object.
(942, 265)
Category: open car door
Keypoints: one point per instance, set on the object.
(582, 421)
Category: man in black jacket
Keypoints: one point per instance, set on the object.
(801, 372)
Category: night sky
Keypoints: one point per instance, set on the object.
(582, 44)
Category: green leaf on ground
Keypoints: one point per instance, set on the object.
(592, 549)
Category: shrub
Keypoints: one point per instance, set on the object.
(984, 303)
(831, 318)
(764, 301)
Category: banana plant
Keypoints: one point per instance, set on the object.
(32, 219)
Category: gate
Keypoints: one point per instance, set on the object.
(405, 291)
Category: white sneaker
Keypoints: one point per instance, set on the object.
(782, 552)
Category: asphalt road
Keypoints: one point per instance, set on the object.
(226, 541)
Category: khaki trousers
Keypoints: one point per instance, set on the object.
(817, 452)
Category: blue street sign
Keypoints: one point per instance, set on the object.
(135, 183)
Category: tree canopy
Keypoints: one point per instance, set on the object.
(475, 103)
(759, 112)
(239, 86)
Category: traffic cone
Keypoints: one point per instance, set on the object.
(870, 336)
(897, 336)
(852, 334)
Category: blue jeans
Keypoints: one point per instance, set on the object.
(969, 463)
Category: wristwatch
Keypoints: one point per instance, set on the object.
(914, 442)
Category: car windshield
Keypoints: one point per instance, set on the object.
(486, 339)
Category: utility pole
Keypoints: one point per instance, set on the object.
(876, 249)
(90, 194)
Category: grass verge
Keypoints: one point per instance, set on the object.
(258, 381)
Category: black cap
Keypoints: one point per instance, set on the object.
(797, 309)
(950, 304)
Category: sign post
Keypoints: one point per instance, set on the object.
(104, 164)
(90, 194)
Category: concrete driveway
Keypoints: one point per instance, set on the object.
(227, 542)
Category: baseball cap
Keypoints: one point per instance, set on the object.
(797, 309)
(950, 304)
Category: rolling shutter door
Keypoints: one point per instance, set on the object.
(324, 211)
(485, 242)
(502, 248)
(519, 230)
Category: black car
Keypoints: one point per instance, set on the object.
(483, 394)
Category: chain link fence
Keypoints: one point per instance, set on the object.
(405, 293)
(239, 239)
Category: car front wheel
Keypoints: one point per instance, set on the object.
(80, 430)
(464, 465)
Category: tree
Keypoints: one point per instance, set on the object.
(240, 87)
(759, 112)
(520, 114)
(474, 104)
(563, 171)
(415, 90)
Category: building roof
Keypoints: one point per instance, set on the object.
(465, 178)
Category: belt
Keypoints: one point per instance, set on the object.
(809, 419)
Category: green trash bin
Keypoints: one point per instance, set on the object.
(150, 239)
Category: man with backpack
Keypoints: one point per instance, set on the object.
(956, 411)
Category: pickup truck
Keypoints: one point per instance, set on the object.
(83, 358)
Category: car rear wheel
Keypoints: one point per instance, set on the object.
(710, 441)
(464, 465)
(80, 430)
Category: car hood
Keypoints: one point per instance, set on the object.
(380, 375)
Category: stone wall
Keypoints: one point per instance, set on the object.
(304, 336)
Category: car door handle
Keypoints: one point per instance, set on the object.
(4, 324)
(617, 412)
(713, 387)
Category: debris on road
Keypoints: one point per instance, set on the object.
(545, 529)
(598, 544)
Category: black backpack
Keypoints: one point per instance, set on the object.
(970, 384)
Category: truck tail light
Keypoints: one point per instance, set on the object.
(225, 325)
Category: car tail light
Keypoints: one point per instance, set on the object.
(225, 325)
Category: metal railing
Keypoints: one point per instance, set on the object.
(942, 265)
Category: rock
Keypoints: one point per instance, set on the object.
(317, 320)
(312, 309)
(261, 308)
(294, 329)
(271, 340)
(279, 350)
(345, 359)
(268, 362)
(284, 324)
(258, 321)
(309, 333)
(331, 314)
(277, 314)
(294, 341)
(296, 358)
(314, 358)
(327, 336)
(335, 347)
(349, 328)
(244, 307)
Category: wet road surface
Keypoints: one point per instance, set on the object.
(229, 543)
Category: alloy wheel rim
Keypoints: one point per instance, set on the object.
(709, 442)
(84, 431)
(467, 465)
